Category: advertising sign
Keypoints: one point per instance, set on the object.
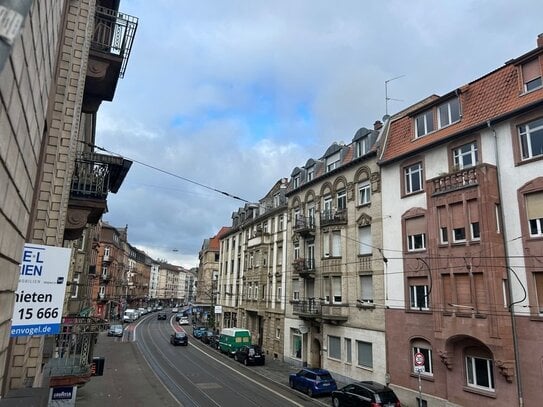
(62, 396)
(40, 294)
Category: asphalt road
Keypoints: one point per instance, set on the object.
(197, 375)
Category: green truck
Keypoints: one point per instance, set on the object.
(231, 339)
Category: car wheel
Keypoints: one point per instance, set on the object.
(235, 357)
(335, 402)
(291, 383)
(309, 392)
(245, 362)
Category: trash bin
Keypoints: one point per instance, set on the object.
(97, 367)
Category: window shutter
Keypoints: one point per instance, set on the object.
(531, 70)
(534, 205)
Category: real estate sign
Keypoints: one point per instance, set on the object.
(40, 294)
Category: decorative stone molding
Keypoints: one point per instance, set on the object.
(506, 369)
(446, 358)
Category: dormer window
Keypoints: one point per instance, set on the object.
(332, 162)
(310, 173)
(448, 112)
(296, 181)
(424, 123)
(531, 75)
(363, 146)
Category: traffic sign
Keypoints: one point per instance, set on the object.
(419, 359)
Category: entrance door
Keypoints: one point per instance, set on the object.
(315, 353)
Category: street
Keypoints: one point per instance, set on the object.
(195, 375)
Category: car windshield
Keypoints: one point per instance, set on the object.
(179, 334)
(386, 397)
(325, 376)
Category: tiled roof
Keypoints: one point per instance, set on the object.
(214, 242)
(491, 96)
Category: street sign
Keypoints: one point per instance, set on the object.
(418, 360)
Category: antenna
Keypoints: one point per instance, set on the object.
(386, 92)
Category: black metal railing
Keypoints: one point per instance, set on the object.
(333, 217)
(304, 224)
(307, 306)
(114, 34)
(304, 265)
(91, 177)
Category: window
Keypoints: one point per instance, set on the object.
(279, 255)
(336, 290)
(416, 242)
(75, 285)
(423, 347)
(296, 251)
(331, 244)
(531, 75)
(278, 298)
(444, 235)
(348, 351)
(413, 178)
(366, 289)
(296, 290)
(364, 193)
(281, 223)
(465, 156)
(296, 346)
(296, 181)
(334, 347)
(448, 112)
(538, 280)
(363, 146)
(332, 162)
(106, 251)
(419, 298)
(365, 242)
(310, 173)
(534, 212)
(326, 289)
(277, 333)
(341, 199)
(480, 373)
(459, 235)
(365, 354)
(531, 139)
(475, 231)
(424, 123)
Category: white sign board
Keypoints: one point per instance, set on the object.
(218, 309)
(40, 294)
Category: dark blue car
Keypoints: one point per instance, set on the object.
(313, 381)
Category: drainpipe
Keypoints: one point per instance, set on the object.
(511, 304)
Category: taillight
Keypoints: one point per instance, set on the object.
(373, 404)
(398, 404)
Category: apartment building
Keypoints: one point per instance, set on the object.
(335, 317)
(56, 68)
(462, 218)
(252, 271)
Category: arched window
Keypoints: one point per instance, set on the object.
(422, 346)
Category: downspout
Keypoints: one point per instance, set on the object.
(511, 304)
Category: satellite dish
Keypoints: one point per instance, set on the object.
(303, 329)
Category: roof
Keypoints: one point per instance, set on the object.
(214, 242)
(489, 98)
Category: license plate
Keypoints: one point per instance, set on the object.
(326, 384)
(257, 356)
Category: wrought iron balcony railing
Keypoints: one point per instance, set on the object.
(333, 217)
(309, 307)
(114, 34)
(304, 224)
(303, 266)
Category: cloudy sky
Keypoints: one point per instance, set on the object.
(235, 94)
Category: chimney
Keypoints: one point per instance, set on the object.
(540, 40)
(377, 125)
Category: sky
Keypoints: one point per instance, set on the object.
(235, 94)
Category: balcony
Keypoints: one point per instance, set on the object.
(454, 181)
(305, 268)
(336, 313)
(258, 238)
(110, 49)
(107, 258)
(70, 354)
(93, 177)
(305, 226)
(338, 217)
(105, 277)
(308, 308)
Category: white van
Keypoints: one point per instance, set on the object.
(130, 315)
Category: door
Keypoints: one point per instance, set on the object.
(316, 353)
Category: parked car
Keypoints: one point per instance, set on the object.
(115, 330)
(184, 321)
(179, 338)
(162, 315)
(175, 310)
(198, 331)
(250, 355)
(178, 316)
(313, 381)
(206, 336)
(365, 394)
(214, 341)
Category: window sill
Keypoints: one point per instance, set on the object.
(365, 305)
(486, 393)
(424, 376)
(408, 194)
(363, 205)
(528, 160)
(527, 92)
(419, 311)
